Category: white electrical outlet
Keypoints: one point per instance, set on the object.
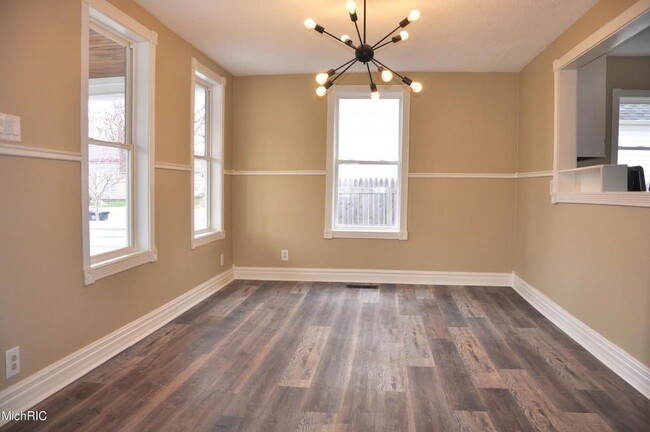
(12, 362)
(222, 259)
(285, 255)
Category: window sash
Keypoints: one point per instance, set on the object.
(129, 131)
(208, 195)
(366, 162)
(207, 157)
(127, 145)
(130, 189)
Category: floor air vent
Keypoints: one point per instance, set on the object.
(363, 286)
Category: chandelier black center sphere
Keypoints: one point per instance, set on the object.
(365, 53)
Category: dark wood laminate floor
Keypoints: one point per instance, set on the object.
(285, 356)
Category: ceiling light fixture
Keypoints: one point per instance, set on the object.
(364, 52)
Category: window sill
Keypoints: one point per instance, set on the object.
(628, 199)
(117, 265)
(207, 237)
(382, 235)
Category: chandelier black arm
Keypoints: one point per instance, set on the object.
(364, 22)
(375, 61)
(338, 39)
(356, 26)
(345, 64)
(383, 45)
(387, 36)
(344, 71)
(369, 74)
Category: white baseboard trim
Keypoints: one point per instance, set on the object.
(53, 378)
(620, 362)
(373, 276)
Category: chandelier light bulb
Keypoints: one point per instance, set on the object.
(374, 94)
(310, 24)
(414, 15)
(321, 78)
(351, 6)
(404, 35)
(321, 91)
(386, 75)
(345, 38)
(416, 87)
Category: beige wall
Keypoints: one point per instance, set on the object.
(44, 306)
(591, 260)
(460, 123)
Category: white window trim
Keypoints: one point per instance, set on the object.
(401, 233)
(624, 26)
(617, 94)
(216, 230)
(145, 40)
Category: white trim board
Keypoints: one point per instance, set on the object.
(411, 175)
(34, 389)
(38, 153)
(373, 276)
(464, 175)
(173, 167)
(620, 362)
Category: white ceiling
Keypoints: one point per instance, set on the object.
(266, 37)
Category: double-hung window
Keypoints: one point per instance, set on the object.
(367, 163)
(631, 130)
(207, 116)
(117, 135)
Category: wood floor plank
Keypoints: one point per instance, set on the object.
(539, 411)
(585, 422)
(474, 421)
(316, 422)
(301, 288)
(333, 373)
(287, 356)
(302, 366)
(456, 383)
(504, 411)
(450, 312)
(428, 405)
(230, 303)
(434, 322)
(562, 361)
(468, 306)
(416, 345)
(500, 353)
(616, 412)
(477, 362)
(559, 391)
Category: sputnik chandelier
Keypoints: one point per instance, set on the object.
(364, 52)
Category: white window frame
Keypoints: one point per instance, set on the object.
(617, 94)
(215, 112)
(102, 15)
(362, 92)
(566, 176)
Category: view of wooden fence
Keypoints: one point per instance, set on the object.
(367, 202)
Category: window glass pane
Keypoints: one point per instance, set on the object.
(367, 196)
(107, 89)
(200, 125)
(634, 125)
(108, 187)
(368, 129)
(634, 134)
(201, 194)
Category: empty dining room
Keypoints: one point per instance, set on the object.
(330, 215)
